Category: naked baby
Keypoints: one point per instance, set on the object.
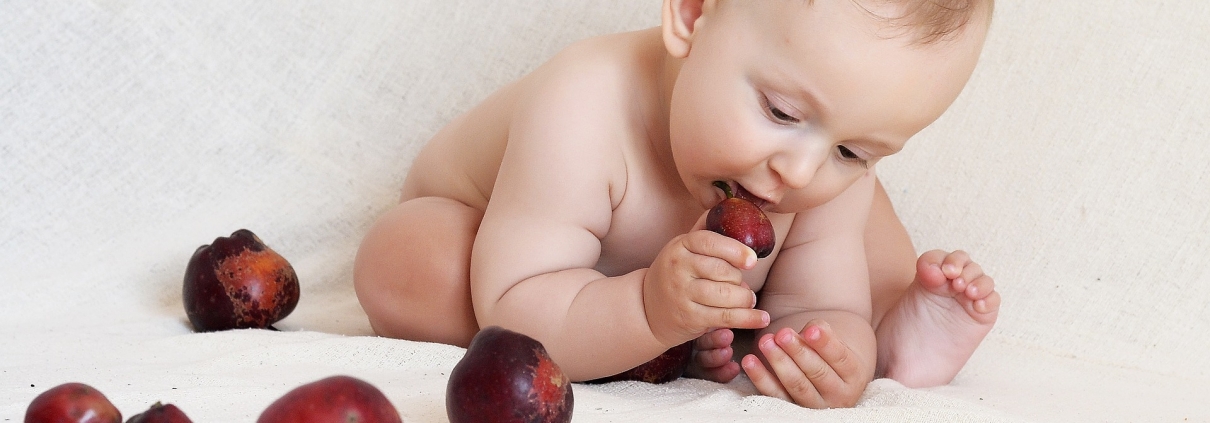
(570, 205)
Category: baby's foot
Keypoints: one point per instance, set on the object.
(928, 336)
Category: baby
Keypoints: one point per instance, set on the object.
(570, 204)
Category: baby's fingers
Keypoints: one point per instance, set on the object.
(715, 269)
(722, 295)
(710, 244)
(721, 374)
(715, 339)
(712, 355)
(796, 381)
(848, 383)
(740, 318)
(764, 380)
(713, 358)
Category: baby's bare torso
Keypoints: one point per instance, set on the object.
(650, 203)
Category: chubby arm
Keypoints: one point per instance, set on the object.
(532, 262)
(532, 266)
(820, 349)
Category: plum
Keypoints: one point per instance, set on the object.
(742, 220)
(507, 377)
(72, 402)
(160, 413)
(334, 399)
(665, 368)
(238, 282)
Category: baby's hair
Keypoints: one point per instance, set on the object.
(932, 20)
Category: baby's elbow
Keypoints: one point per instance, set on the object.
(490, 300)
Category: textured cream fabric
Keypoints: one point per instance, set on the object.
(1074, 168)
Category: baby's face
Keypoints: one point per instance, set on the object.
(796, 101)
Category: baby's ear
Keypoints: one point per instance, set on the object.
(680, 19)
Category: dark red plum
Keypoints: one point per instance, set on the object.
(333, 399)
(665, 368)
(238, 282)
(742, 220)
(507, 377)
(160, 413)
(72, 402)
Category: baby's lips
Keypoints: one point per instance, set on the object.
(743, 193)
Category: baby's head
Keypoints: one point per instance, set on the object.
(795, 99)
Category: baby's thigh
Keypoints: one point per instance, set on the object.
(412, 271)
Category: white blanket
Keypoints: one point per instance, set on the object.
(1073, 168)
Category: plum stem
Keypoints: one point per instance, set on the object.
(725, 187)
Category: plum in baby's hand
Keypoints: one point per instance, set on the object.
(742, 220)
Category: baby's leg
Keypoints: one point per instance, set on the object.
(412, 271)
(890, 256)
(927, 321)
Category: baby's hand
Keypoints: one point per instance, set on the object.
(712, 355)
(695, 285)
(812, 369)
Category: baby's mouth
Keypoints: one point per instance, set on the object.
(740, 192)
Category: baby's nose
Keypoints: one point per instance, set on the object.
(796, 167)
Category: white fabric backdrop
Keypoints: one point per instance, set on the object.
(1073, 168)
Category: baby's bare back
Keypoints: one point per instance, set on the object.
(460, 162)
(463, 159)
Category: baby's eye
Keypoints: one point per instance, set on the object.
(777, 114)
(782, 116)
(849, 155)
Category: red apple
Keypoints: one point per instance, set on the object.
(742, 220)
(665, 368)
(238, 282)
(72, 403)
(333, 399)
(507, 377)
(160, 413)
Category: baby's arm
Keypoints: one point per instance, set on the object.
(532, 266)
(819, 351)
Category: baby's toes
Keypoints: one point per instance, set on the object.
(930, 276)
(955, 264)
(971, 272)
(989, 305)
(979, 288)
(984, 300)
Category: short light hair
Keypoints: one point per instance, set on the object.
(931, 21)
